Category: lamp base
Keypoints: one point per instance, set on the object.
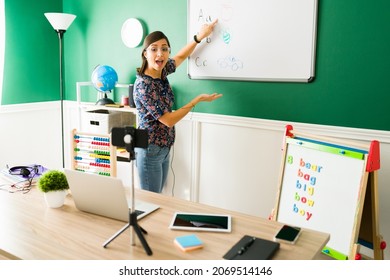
(104, 101)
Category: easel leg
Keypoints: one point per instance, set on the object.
(354, 252)
(377, 239)
(369, 228)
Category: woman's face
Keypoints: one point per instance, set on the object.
(157, 55)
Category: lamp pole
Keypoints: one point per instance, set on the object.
(60, 22)
(62, 87)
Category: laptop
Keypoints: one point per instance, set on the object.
(104, 196)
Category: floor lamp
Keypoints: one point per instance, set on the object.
(60, 22)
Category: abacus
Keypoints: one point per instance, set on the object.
(93, 153)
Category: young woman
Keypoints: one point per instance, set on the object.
(154, 99)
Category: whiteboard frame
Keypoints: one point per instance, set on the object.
(206, 76)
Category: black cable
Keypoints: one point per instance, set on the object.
(173, 172)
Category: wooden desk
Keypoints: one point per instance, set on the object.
(30, 230)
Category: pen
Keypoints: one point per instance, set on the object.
(245, 247)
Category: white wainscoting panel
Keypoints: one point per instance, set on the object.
(31, 133)
(239, 167)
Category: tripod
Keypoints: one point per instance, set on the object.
(132, 215)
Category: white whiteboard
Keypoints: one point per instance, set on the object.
(259, 40)
(321, 189)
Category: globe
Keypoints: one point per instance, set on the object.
(104, 78)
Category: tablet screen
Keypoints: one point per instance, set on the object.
(201, 222)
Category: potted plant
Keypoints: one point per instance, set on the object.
(54, 185)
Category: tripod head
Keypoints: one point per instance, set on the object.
(129, 137)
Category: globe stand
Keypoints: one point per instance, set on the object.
(105, 100)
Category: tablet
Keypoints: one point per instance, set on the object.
(201, 222)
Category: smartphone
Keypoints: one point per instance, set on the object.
(288, 234)
(139, 136)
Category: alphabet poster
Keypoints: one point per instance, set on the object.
(321, 188)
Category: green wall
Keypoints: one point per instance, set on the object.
(351, 87)
(31, 60)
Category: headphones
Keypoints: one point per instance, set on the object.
(25, 171)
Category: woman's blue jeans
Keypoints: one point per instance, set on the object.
(152, 164)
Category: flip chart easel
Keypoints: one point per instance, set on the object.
(330, 185)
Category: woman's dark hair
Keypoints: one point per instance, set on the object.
(150, 39)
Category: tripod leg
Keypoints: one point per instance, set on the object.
(143, 231)
(142, 239)
(116, 235)
(133, 223)
(138, 230)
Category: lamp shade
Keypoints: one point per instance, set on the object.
(60, 21)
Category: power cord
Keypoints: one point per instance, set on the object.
(173, 172)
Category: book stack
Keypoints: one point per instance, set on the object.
(188, 242)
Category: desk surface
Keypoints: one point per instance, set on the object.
(31, 230)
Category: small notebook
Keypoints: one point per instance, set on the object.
(252, 248)
(188, 242)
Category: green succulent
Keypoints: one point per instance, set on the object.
(53, 180)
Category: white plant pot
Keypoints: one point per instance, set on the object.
(55, 199)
